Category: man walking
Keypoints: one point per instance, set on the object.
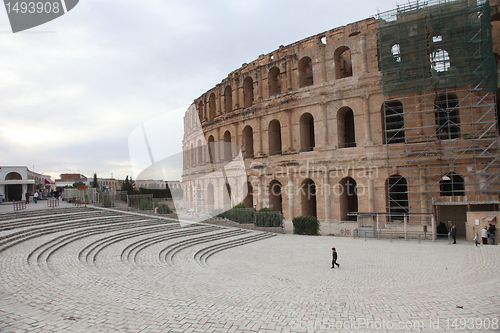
(334, 258)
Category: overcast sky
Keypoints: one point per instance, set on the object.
(74, 89)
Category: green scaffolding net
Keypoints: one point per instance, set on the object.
(436, 44)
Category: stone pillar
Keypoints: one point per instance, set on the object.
(324, 111)
(368, 125)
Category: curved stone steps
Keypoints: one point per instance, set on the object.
(19, 237)
(24, 222)
(48, 248)
(202, 255)
(90, 253)
(131, 252)
(167, 254)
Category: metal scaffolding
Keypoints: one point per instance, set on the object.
(439, 80)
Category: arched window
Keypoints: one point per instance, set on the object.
(348, 199)
(307, 141)
(210, 198)
(201, 113)
(447, 116)
(211, 107)
(248, 201)
(451, 185)
(397, 189)
(248, 92)
(275, 196)
(248, 142)
(211, 148)
(13, 176)
(274, 81)
(347, 136)
(274, 138)
(343, 63)
(228, 155)
(394, 122)
(199, 152)
(228, 99)
(192, 157)
(305, 72)
(308, 197)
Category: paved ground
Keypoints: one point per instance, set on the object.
(74, 269)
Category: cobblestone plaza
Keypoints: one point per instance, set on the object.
(76, 269)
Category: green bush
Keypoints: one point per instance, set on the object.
(268, 218)
(306, 225)
(240, 215)
(145, 204)
(163, 209)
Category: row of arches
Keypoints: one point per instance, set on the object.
(446, 119)
(450, 184)
(207, 109)
(198, 155)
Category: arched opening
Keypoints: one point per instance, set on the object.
(308, 197)
(248, 92)
(211, 107)
(228, 155)
(343, 63)
(394, 122)
(348, 199)
(228, 99)
(248, 201)
(451, 185)
(274, 137)
(307, 141)
(347, 135)
(248, 142)
(192, 157)
(199, 152)
(201, 113)
(274, 81)
(13, 176)
(210, 198)
(447, 116)
(211, 148)
(275, 195)
(397, 189)
(305, 72)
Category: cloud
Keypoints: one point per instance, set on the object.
(79, 85)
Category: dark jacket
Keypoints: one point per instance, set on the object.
(492, 229)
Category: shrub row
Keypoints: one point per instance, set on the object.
(306, 225)
(263, 218)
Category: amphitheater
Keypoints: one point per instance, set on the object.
(383, 122)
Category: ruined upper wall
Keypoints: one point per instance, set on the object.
(330, 36)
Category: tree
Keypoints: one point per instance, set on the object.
(78, 183)
(95, 183)
(128, 186)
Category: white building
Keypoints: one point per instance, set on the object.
(15, 181)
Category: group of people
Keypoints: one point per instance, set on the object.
(38, 195)
(487, 233)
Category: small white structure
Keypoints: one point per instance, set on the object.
(15, 181)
